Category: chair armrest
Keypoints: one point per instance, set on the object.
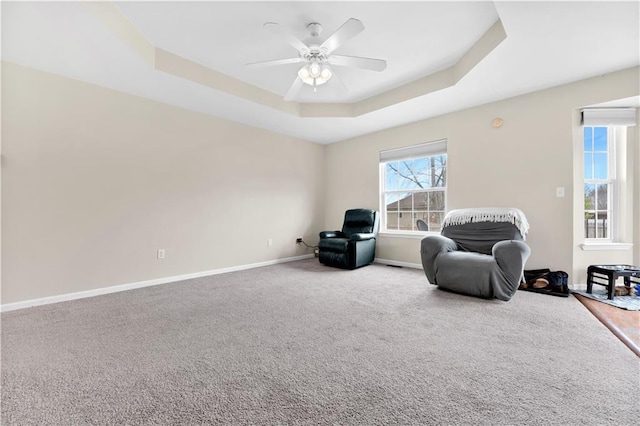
(331, 234)
(362, 236)
(511, 256)
(430, 247)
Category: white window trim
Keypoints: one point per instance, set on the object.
(616, 120)
(416, 235)
(614, 137)
(429, 149)
(605, 246)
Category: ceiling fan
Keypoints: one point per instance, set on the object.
(318, 57)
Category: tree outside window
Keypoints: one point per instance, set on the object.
(415, 189)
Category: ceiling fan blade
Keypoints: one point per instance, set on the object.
(347, 31)
(287, 36)
(358, 62)
(338, 80)
(293, 90)
(274, 62)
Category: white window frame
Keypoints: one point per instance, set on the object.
(430, 149)
(617, 120)
(614, 135)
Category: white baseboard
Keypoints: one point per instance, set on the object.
(579, 287)
(398, 263)
(123, 287)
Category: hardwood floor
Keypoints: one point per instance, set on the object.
(624, 324)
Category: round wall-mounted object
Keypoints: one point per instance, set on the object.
(497, 122)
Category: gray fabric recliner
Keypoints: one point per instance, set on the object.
(476, 257)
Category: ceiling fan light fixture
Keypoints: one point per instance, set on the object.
(314, 69)
(305, 75)
(314, 74)
(325, 73)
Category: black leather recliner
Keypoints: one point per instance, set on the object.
(355, 245)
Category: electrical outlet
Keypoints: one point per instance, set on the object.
(298, 240)
(161, 254)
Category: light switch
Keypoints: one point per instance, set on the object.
(560, 192)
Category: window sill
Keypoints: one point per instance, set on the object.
(605, 246)
(417, 235)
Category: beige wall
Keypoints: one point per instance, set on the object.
(519, 165)
(94, 181)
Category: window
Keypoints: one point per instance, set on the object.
(599, 181)
(604, 147)
(413, 182)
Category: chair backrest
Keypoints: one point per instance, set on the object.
(480, 237)
(360, 221)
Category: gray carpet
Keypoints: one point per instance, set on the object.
(300, 343)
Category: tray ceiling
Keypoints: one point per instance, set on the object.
(441, 56)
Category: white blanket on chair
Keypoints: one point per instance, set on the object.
(488, 214)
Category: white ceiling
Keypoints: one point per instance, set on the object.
(547, 44)
(410, 39)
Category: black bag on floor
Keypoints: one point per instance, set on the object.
(558, 281)
(546, 281)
